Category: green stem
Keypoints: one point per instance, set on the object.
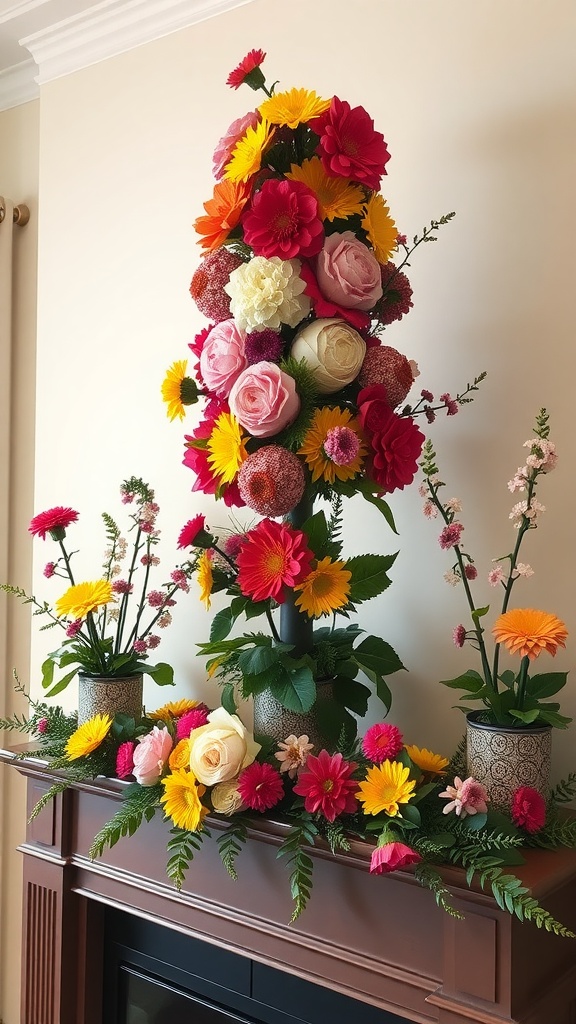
(522, 679)
(273, 629)
(95, 642)
(67, 562)
(524, 527)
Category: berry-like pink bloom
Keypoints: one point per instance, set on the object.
(392, 856)
(260, 786)
(528, 809)
(122, 587)
(191, 720)
(459, 635)
(49, 569)
(349, 146)
(427, 396)
(54, 521)
(207, 287)
(451, 577)
(156, 599)
(293, 754)
(450, 535)
(140, 646)
(152, 641)
(125, 759)
(283, 220)
(73, 628)
(468, 797)
(245, 70)
(271, 480)
(495, 576)
(430, 510)
(470, 571)
(382, 742)
(341, 445)
(326, 785)
(385, 365)
(450, 403)
(42, 726)
(233, 544)
(178, 576)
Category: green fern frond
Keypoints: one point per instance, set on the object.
(565, 791)
(127, 820)
(230, 844)
(301, 834)
(293, 437)
(182, 848)
(112, 530)
(457, 764)
(335, 523)
(556, 832)
(46, 797)
(430, 879)
(335, 836)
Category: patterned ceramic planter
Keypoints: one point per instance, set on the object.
(105, 695)
(272, 719)
(503, 759)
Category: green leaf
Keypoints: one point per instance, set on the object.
(528, 717)
(333, 719)
(474, 822)
(369, 576)
(411, 814)
(351, 694)
(554, 719)
(377, 656)
(162, 674)
(478, 613)
(228, 699)
(546, 684)
(508, 678)
(470, 681)
(62, 683)
(316, 529)
(221, 624)
(257, 660)
(47, 672)
(442, 839)
(296, 691)
(255, 608)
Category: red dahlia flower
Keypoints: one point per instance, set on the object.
(248, 70)
(349, 146)
(392, 856)
(396, 441)
(283, 221)
(260, 786)
(326, 785)
(54, 521)
(528, 809)
(273, 556)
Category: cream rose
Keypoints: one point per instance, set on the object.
(226, 799)
(221, 749)
(333, 350)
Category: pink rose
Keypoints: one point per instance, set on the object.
(392, 856)
(348, 273)
(151, 755)
(222, 359)
(264, 399)
(223, 150)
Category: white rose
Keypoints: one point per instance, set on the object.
(333, 350)
(226, 799)
(221, 749)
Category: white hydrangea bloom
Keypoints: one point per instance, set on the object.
(267, 293)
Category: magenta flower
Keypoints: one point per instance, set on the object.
(260, 786)
(54, 521)
(125, 759)
(73, 628)
(283, 220)
(326, 785)
(392, 856)
(528, 809)
(191, 720)
(341, 445)
(49, 569)
(140, 646)
(42, 726)
(459, 635)
(349, 146)
(450, 535)
(382, 742)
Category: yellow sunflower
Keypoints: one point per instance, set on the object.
(88, 737)
(294, 107)
(325, 589)
(380, 228)
(385, 787)
(426, 760)
(246, 158)
(180, 756)
(324, 422)
(182, 800)
(227, 447)
(83, 598)
(205, 577)
(337, 197)
(173, 709)
(178, 390)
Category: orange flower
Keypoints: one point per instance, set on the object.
(528, 632)
(223, 213)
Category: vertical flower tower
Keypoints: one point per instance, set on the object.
(302, 400)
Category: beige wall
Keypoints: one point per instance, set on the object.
(19, 181)
(477, 103)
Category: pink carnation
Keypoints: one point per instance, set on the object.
(191, 720)
(392, 856)
(125, 759)
(260, 786)
(528, 809)
(382, 742)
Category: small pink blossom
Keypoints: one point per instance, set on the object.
(178, 576)
(519, 480)
(125, 759)
(470, 571)
(122, 587)
(140, 646)
(152, 641)
(382, 742)
(126, 496)
(423, 490)
(522, 509)
(429, 414)
(42, 726)
(450, 535)
(495, 576)
(430, 510)
(468, 797)
(233, 544)
(151, 755)
(427, 395)
(73, 628)
(392, 856)
(542, 454)
(293, 753)
(164, 620)
(450, 403)
(522, 569)
(401, 239)
(454, 505)
(49, 569)
(451, 577)
(150, 560)
(459, 635)
(156, 599)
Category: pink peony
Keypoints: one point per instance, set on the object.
(222, 359)
(226, 144)
(151, 756)
(125, 759)
(528, 809)
(283, 220)
(382, 742)
(264, 399)
(392, 856)
(348, 273)
(349, 146)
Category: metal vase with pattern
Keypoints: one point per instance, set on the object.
(272, 719)
(108, 695)
(503, 759)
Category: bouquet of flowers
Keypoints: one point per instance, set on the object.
(303, 399)
(103, 637)
(510, 698)
(195, 765)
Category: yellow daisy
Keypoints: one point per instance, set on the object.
(246, 157)
(180, 756)
(178, 390)
(427, 761)
(380, 228)
(227, 447)
(173, 709)
(83, 598)
(182, 800)
(205, 577)
(88, 737)
(337, 197)
(297, 106)
(324, 421)
(386, 785)
(325, 589)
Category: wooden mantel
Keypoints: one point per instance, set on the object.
(380, 940)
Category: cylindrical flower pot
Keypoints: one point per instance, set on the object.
(503, 759)
(109, 695)
(272, 719)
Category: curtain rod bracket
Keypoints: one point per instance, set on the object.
(20, 214)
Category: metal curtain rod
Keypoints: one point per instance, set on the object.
(20, 214)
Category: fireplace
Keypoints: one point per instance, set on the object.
(375, 950)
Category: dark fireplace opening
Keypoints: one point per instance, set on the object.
(155, 975)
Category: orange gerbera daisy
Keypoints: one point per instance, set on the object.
(528, 632)
(223, 213)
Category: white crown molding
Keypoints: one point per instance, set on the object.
(18, 85)
(113, 27)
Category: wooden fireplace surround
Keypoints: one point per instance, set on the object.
(379, 940)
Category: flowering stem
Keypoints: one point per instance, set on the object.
(524, 526)
(522, 679)
(66, 562)
(227, 558)
(124, 602)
